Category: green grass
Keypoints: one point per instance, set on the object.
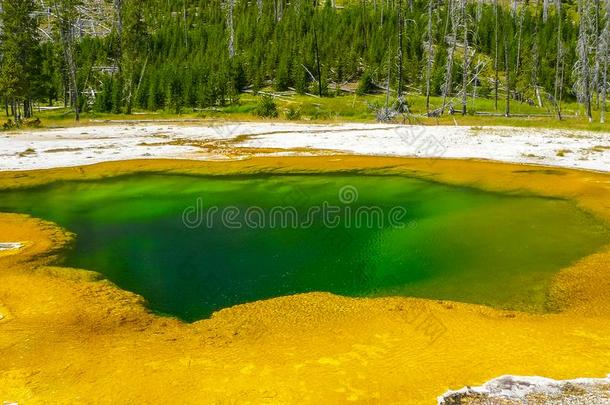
(351, 108)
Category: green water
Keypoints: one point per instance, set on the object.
(444, 242)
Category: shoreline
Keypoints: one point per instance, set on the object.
(84, 307)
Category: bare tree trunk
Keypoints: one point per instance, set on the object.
(67, 39)
(602, 118)
(475, 80)
(186, 36)
(449, 9)
(280, 9)
(558, 65)
(387, 94)
(466, 62)
(137, 92)
(497, 78)
(448, 85)
(507, 69)
(536, 58)
(230, 9)
(597, 34)
(430, 57)
(455, 15)
(364, 13)
(317, 50)
(399, 50)
(520, 17)
(15, 110)
(583, 65)
(605, 55)
(73, 83)
(118, 7)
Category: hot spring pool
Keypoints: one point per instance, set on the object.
(192, 244)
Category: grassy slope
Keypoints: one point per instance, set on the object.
(348, 108)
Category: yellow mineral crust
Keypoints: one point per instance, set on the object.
(69, 336)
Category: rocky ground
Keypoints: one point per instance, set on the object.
(512, 390)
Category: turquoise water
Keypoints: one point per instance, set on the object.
(163, 236)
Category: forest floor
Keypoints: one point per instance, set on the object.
(347, 108)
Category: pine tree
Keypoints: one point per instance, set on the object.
(201, 53)
(134, 49)
(20, 55)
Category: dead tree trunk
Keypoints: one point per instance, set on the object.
(118, 7)
(520, 16)
(507, 66)
(399, 50)
(317, 50)
(582, 69)
(596, 38)
(230, 8)
(430, 57)
(387, 94)
(605, 56)
(497, 78)
(466, 62)
(559, 63)
(604, 86)
(67, 16)
(448, 84)
(536, 58)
